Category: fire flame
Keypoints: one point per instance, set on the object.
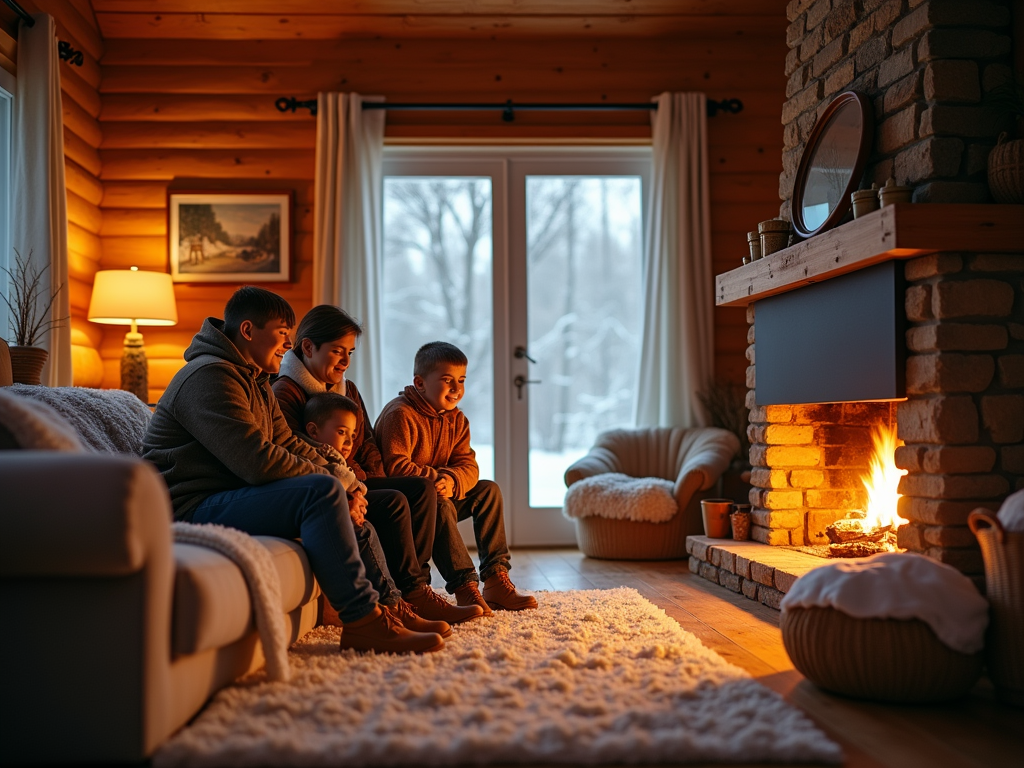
(882, 481)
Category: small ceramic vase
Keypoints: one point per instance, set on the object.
(893, 193)
(864, 201)
(754, 243)
(774, 235)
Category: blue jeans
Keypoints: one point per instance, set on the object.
(376, 565)
(484, 504)
(313, 508)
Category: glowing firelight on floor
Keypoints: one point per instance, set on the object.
(882, 481)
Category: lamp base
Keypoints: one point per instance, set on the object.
(134, 367)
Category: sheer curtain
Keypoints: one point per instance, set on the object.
(677, 353)
(39, 211)
(348, 225)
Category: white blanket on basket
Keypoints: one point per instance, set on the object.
(260, 576)
(621, 497)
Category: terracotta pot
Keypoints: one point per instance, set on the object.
(1006, 171)
(715, 514)
(27, 364)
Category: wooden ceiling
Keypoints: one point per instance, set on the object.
(482, 19)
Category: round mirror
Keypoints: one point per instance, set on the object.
(832, 164)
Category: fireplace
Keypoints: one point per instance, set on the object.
(945, 373)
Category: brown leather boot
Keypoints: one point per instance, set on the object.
(500, 593)
(380, 631)
(469, 594)
(406, 614)
(430, 605)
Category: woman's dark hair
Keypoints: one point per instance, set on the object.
(325, 323)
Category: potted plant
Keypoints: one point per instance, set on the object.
(725, 404)
(1006, 160)
(28, 320)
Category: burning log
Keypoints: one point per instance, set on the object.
(851, 537)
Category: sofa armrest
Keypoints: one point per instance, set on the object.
(75, 514)
(598, 461)
(708, 457)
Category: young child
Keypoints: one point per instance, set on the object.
(422, 433)
(331, 420)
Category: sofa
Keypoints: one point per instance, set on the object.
(115, 636)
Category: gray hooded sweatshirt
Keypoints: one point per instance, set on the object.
(218, 427)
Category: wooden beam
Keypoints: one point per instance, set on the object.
(83, 31)
(401, 53)
(80, 122)
(140, 165)
(279, 8)
(899, 231)
(538, 82)
(249, 26)
(72, 84)
(81, 152)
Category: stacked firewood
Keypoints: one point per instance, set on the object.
(853, 536)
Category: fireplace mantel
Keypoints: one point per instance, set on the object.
(900, 231)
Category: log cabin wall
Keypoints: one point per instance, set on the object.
(187, 101)
(80, 102)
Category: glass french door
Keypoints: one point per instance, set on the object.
(530, 262)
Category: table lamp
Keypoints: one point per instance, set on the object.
(131, 297)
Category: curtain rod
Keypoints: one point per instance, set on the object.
(25, 16)
(286, 103)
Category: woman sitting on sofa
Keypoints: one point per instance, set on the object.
(403, 510)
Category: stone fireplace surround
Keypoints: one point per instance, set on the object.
(962, 420)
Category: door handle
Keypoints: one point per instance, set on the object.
(519, 381)
(521, 352)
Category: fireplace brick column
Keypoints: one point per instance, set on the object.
(963, 421)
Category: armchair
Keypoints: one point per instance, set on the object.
(692, 459)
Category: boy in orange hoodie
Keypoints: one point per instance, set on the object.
(422, 433)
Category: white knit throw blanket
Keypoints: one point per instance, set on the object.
(254, 561)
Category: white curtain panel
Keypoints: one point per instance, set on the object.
(348, 225)
(677, 352)
(39, 215)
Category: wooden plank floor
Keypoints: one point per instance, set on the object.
(976, 732)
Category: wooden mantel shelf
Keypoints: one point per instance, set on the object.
(900, 231)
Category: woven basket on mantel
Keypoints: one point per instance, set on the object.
(1003, 552)
(897, 660)
(1006, 171)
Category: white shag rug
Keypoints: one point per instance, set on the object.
(597, 676)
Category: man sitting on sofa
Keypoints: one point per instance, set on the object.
(227, 455)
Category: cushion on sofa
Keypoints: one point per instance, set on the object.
(211, 600)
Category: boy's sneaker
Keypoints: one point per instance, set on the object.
(500, 593)
(469, 594)
(430, 605)
(406, 614)
(380, 631)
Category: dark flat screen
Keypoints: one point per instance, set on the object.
(839, 340)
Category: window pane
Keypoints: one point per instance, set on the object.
(437, 287)
(584, 250)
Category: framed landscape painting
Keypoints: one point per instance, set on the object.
(230, 237)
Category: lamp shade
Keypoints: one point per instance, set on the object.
(121, 296)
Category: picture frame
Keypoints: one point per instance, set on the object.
(230, 236)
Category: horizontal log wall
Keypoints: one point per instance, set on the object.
(200, 114)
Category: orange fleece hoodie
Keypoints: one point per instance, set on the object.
(415, 440)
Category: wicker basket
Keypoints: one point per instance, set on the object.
(615, 539)
(1006, 171)
(1003, 552)
(877, 659)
